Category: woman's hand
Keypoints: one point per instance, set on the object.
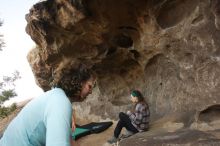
(129, 113)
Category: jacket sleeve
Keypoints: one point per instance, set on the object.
(137, 116)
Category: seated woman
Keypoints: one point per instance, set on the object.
(136, 121)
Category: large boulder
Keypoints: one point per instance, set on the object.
(168, 49)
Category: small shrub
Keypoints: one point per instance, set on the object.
(5, 111)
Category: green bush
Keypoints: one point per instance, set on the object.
(5, 111)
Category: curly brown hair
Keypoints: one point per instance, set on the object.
(69, 76)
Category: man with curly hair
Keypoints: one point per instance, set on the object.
(46, 120)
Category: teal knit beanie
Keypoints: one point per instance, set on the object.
(133, 93)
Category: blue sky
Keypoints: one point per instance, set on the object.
(18, 44)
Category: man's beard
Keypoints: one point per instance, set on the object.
(78, 98)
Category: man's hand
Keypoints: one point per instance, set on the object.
(73, 122)
(73, 126)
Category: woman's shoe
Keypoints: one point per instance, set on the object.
(112, 140)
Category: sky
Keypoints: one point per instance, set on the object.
(17, 45)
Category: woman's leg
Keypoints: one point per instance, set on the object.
(124, 121)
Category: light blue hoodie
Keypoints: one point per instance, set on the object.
(46, 120)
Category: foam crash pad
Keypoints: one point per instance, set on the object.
(80, 132)
(90, 128)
